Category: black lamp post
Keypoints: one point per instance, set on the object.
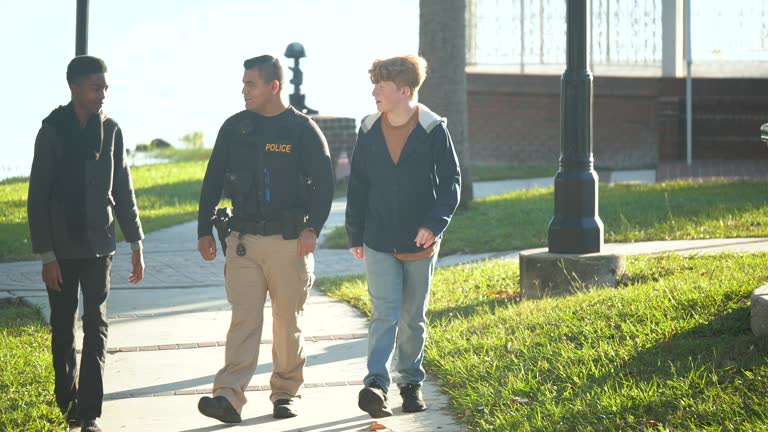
(574, 260)
(576, 227)
(81, 31)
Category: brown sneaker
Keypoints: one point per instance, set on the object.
(73, 422)
(73, 417)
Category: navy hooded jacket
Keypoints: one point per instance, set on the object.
(388, 202)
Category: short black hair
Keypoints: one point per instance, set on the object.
(268, 66)
(84, 65)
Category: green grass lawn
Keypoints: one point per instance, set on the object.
(167, 195)
(669, 350)
(663, 211)
(489, 172)
(26, 375)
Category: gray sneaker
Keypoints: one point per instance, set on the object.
(373, 400)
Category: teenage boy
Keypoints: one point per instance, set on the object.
(79, 185)
(403, 189)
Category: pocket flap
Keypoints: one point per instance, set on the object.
(240, 181)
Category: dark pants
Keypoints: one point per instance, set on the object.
(92, 275)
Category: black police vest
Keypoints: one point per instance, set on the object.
(264, 176)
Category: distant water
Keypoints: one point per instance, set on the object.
(21, 170)
(18, 170)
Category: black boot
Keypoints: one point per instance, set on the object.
(218, 408)
(373, 400)
(412, 400)
(90, 426)
(285, 408)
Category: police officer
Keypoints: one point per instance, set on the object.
(274, 163)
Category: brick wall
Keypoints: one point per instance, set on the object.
(507, 124)
(636, 121)
(727, 114)
(340, 132)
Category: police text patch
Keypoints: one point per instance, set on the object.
(278, 148)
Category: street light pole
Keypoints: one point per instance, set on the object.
(576, 227)
(574, 260)
(81, 32)
(688, 84)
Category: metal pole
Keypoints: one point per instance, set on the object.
(576, 227)
(688, 86)
(608, 31)
(81, 32)
(472, 32)
(541, 32)
(522, 36)
(591, 38)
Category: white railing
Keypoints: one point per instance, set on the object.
(529, 34)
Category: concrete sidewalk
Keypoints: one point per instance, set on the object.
(167, 335)
(166, 343)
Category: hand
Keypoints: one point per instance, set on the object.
(52, 275)
(357, 252)
(424, 238)
(206, 245)
(307, 242)
(137, 261)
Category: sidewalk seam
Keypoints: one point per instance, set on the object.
(251, 388)
(193, 345)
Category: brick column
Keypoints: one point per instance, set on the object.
(341, 133)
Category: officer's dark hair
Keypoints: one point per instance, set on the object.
(268, 66)
(83, 66)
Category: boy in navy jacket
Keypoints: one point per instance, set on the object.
(403, 189)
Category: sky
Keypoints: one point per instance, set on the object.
(175, 66)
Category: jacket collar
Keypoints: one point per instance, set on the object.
(427, 119)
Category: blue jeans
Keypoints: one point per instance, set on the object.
(399, 293)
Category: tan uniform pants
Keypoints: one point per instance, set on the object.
(269, 265)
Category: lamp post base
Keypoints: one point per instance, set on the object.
(576, 227)
(758, 312)
(545, 274)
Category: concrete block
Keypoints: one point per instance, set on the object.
(758, 312)
(544, 274)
